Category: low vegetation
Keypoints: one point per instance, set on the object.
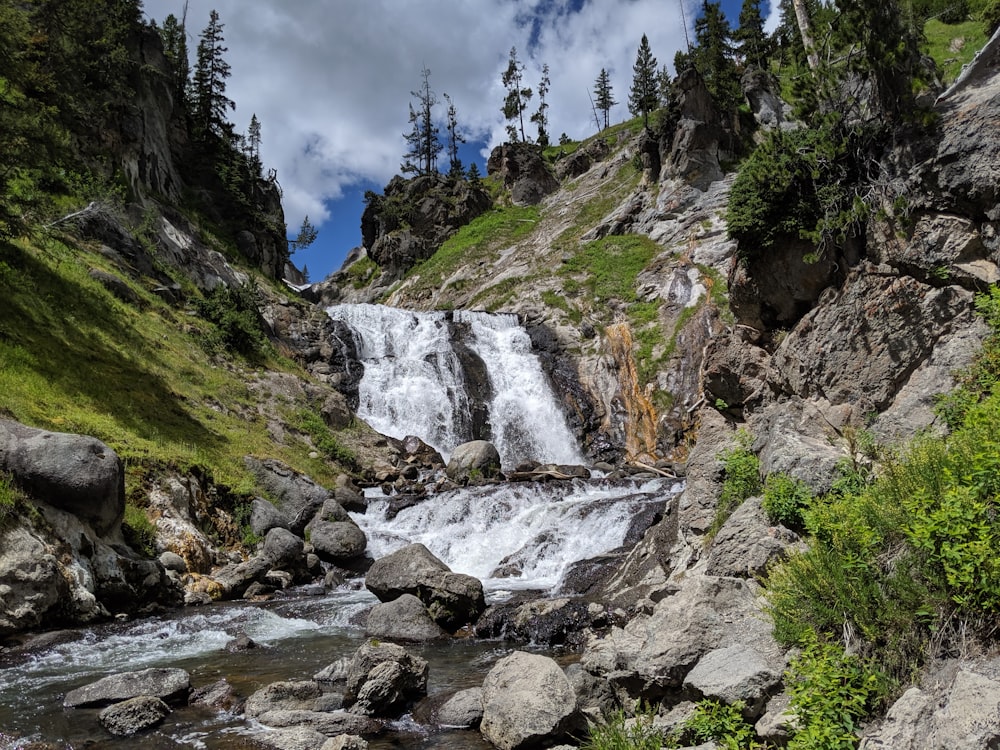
(741, 479)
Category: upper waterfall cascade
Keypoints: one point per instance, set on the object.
(452, 377)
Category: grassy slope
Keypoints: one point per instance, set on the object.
(74, 358)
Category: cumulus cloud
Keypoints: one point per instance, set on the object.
(331, 82)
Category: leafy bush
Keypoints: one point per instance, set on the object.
(138, 530)
(784, 499)
(621, 732)
(741, 479)
(830, 692)
(236, 317)
(720, 722)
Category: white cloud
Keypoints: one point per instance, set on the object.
(331, 81)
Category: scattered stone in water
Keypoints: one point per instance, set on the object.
(242, 642)
(171, 685)
(134, 715)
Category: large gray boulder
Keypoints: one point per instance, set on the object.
(293, 738)
(295, 495)
(522, 170)
(75, 473)
(402, 619)
(135, 715)
(527, 702)
(384, 680)
(281, 550)
(475, 460)
(300, 695)
(170, 685)
(747, 544)
(452, 599)
(334, 534)
(328, 723)
(735, 674)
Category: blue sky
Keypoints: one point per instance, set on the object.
(331, 82)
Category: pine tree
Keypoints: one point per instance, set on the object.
(604, 99)
(713, 55)
(541, 118)
(252, 149)
(423, 142)
(751, 37)
(642, 97)
(473, 174)
(306, 236)
(174, 37)
(517, 97)
(208, 95)
(455, 168)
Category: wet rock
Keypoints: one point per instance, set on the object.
(345, 742)
(328, 723)
(283, 696)
(296, 738)
(75, 473)
(747, 543)
(170, 685)
(384, 680)
(474, 460)
(132, 716)
(402, 619)
(541, 621)
(527, 702)
(736, 674)
(463, 709)
(219, 695)
(242, 642)
(453, 599)
(334, 672)
(335, 535)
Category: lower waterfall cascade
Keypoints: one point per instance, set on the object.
(417, 381)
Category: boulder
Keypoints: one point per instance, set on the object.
(328, 723)
(523, 171)
(960, 712)
(463, 709)
(453, 599)
(281, 549)
(735, 674)
(384, 680)
(264, 516)
(295, 738)
(219, 695)
(170, 685)
(345, 742)
(475, 460)
(747, 543)
(75, 473)
(31, 582)
(402, 619)
(283, 696)
(652, 654)
(527, 702)
(297, 496)
(334, 534)
(133, 716)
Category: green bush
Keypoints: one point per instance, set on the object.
(138, 530)
(719, 722)
(10, 496)
(830, 693)
(784, 499)
(621, 732)
(236, 318)
(741, 479)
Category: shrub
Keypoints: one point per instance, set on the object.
(10, 496)
(741, 479)
(785, 498)
(720, 722)
(830, 692)
(138, 530)
(621, 732)
(237, 321)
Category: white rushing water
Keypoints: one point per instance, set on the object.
(536, 530)
(414, 382)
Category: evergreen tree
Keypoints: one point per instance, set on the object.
(455, 168)
(208, 95)
(306, 236)
(664, 87)
(473, 174)
(517, 96)
(541, 118)
(642, 97)
(423, 142)
(751, 37)
(604, 99)
(713, 55)
(174, 37)
(252, 149)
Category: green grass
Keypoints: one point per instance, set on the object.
(939, 40)
(73, 358)
(608, 267)
(362, 271)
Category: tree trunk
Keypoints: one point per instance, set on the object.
(805, 29)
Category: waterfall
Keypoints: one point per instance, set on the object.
(517, 535)
(452, 377)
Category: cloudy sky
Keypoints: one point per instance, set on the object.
(331, 81)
